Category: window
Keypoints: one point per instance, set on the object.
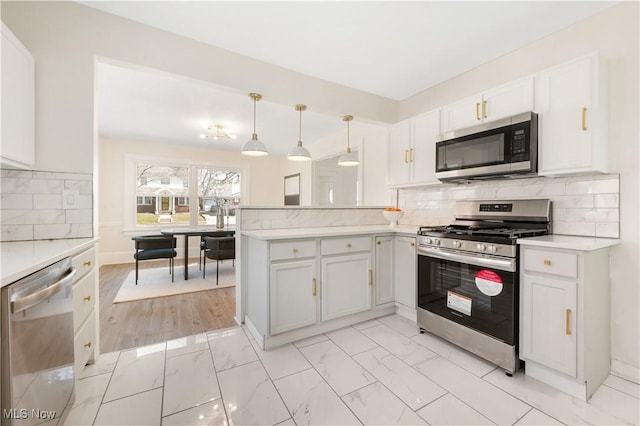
(164, 193)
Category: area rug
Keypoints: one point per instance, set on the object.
(156, 282)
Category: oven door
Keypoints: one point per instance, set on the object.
(476, 291)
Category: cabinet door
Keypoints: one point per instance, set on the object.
(511, 99)
(293, 294)
(464, 113)
(548, 323)
(383, 284)
(346, 285)
(399, 152)
(426, 132)
(404, 270)
(567, 117)
(18, 103)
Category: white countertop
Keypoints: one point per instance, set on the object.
(21, 258)
(331, 231)
(570, 242)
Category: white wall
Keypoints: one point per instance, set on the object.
(265, 186)
(614, 33)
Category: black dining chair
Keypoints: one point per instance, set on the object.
(155, 247)
(203, 247)
(218, 248)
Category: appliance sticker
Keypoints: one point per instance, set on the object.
(459, 303)
(488, 282)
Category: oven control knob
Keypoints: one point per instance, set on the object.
(493, 249)
(427, 240)
(436, 241)
(481, 247)
(457, 244)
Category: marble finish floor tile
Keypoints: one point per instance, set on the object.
(402, 325)
(250, 397)
(312, 402)
(310, 341)
(137, 370)
(470, 362)
(617, 403)
(141, 409)
(376, 405)
(351, 340)
(449, 410)
(366, 324)
(88, 397)
(492, 402)
(399, 345)
(231, 348)
(185, 345)
(105, 363)
(412, 388)
(537, 418)
(189, 380)
(281, 361)
(342, 373)
(623, 385)
(211, 413)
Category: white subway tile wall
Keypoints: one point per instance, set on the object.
(31, 205)
(582, 205)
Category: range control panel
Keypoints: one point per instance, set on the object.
(503, 207)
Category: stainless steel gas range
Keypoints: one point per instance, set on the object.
(468, 278)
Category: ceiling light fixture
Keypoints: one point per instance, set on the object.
(217, 133)
(299, 152)
(254, 147)
(348, 158)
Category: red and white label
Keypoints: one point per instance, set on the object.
(488, 282)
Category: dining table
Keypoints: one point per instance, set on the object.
(196, 231)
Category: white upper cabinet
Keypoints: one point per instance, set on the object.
(503, 101)
(573, 117)
(17, 143)
(412, 150)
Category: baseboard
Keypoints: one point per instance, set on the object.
(626, 371)
(407, 312)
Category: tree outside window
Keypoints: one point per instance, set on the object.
(162, 186)
(218, 195)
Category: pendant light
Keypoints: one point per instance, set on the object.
(348, 158)
(299, 152)
(254, 147)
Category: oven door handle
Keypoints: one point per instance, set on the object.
(508, 265)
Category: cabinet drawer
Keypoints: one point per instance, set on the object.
(84, 262)
(84, 344)
(84, 295)
(292, 250)
(345, 245)
(551, 262)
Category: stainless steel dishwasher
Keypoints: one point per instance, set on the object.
(37, 345)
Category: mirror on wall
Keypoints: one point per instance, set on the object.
(334, 185)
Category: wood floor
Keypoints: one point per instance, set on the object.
(131, 324)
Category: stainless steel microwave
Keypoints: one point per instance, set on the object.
(502, 148)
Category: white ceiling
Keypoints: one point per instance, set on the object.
(392, 49)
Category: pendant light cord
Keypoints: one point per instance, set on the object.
(348, 147)
(300, 127)
(254, 115)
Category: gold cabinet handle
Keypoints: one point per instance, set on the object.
(567, 322)
(484, 109)
(349, 245)
(547, 262)
(379, 243)
(315, 289)
(87, 298)
(406, 152)
(413, 244)
(87, 263)
(370, 277)
(295, 250)
(87, 345)
(584, 118)
(411, 155)
(477, 110)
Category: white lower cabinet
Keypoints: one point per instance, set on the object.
(293, 295)
(346, 285)
(84, 309)
(383, 282)
(565, 317)
(404, 271)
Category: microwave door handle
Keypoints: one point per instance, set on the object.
(508, 265)
(38, 296)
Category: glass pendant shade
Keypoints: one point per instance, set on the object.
(299, 152)
(348, 158)
(254, 147)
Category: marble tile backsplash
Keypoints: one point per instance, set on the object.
(585, 205)
(280, 218)
(31, 205)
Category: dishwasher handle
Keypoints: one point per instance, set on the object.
(33, 299)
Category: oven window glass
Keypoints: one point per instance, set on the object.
(481, 298)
